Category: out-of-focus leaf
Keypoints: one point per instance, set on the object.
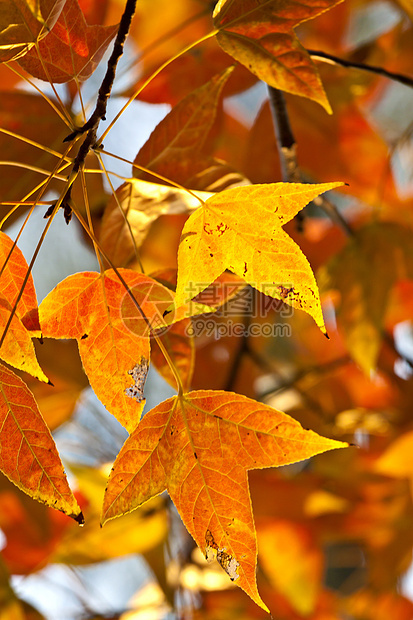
(199, 447)
(23, 22)
(368, 604)
(62, 365)
(241, 230)
(292, 563)
(28, 116)
(193, 70)
(178, 341)
(29, 456)
(142, 203)
(344, 144)
(397, 460)
(137, 533)
(72, 50)
(384, 249)
(260, 35)
(160, 39)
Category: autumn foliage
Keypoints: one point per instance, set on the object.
(256, 259)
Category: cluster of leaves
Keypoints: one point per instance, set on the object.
(196, 236)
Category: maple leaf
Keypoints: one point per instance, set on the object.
(71, 50)
(199, 448)
(292, 561)
(142, 203)
(112, 335)
(137, 533)
(174, 149)
(23, 22)
(240, 229)
(260, 35)
(28, 455)
(379, 248)
(17, 348)
(87, 306)
(13, 272)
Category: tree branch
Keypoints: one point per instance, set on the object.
(287, 147)
(99, 113)
(107, 82)
(329, 58)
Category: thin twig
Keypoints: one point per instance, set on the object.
(289, 384)
(329, 58)
(287, 147)
(107, 82)
(99, 113)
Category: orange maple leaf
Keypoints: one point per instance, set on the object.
(112, 334)
(72, 49)
(199, 448)
(13, 272)
(23, 23)
(260, 35)
(28, 454)
(17, 348)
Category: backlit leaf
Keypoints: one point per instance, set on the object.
(240, 229)
(14, 269)
(142, 203)
(28, 116)
(71, 50)
(176, 143)
(199, 447)
(260, 35)
(28, 455)
(292, 562)
(23, 22)
(17, 348)
(381, 248)
(87, 306)
(112, 335)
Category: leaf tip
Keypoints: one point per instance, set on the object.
(79, 518)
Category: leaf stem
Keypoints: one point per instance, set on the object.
(154, 174)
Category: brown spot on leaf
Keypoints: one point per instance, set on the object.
(139, 373)
(227, 562)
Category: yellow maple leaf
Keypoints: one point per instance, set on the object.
(240, 229)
